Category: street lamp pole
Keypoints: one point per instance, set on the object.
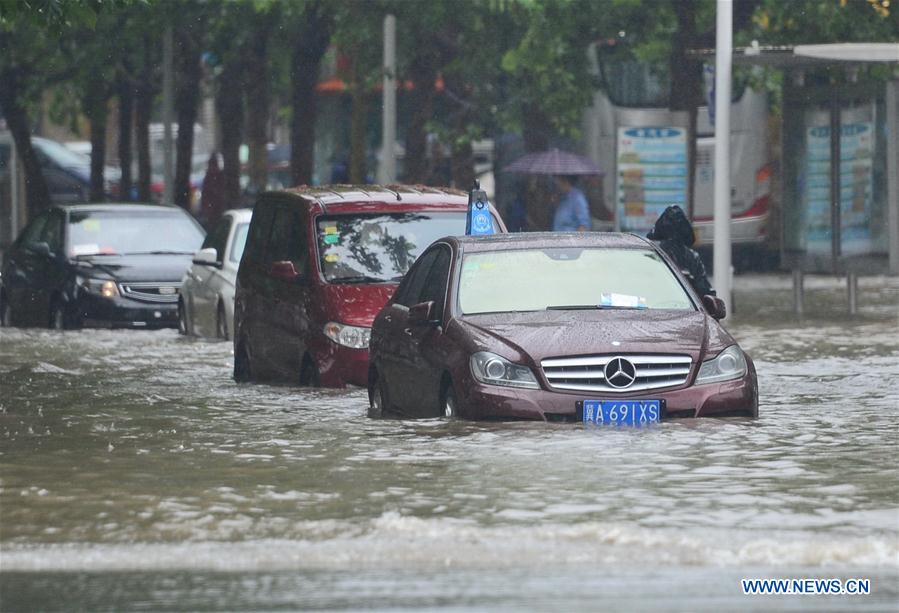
(387, 169)
(723, 57)
(168, 87)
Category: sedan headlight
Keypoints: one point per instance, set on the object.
(101, 287)
(729, 364)
(348, 336)
(496, 370)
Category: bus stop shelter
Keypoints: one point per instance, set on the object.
(840, 151)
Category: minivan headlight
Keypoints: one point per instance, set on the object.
(496, 370)
(729, 364)
(101, 287)
(353, 337)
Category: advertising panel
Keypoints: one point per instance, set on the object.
(652, 174)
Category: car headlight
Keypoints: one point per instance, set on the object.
(496, 370)
(729, 364)
(348, 336)
(101, 287)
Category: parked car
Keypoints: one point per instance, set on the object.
(206, 305)
(598, 327)
(318, 266)
(67, 172)
(103, 265)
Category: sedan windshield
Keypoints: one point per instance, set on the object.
(132, 232)
(379, 247)
(568, 278)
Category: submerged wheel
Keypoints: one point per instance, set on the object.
(57, 319)
(376, 402)
(309, 375)
(5, 313)
(448, 402)
(221, 323)
(243, 372)
(183, 325)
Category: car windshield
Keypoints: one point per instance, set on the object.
(130, 232)
(379, 247)
(568, 278)
(239, 242)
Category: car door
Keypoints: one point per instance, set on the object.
(203, 293)
(23, 268)
(50, 280)
(395, 346)
(289, 318)
(419, 350)
(254, 290)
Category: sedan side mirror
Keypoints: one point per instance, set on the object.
(715, 306)
(283, 271)
(207, 257)
(423, 314)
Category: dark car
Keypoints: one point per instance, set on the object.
(318, 265)
(599, 327)
(106, 265)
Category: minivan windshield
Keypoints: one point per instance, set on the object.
(131, 232)
(568, 278)
(379, 247)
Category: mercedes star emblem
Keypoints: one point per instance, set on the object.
(620, 373)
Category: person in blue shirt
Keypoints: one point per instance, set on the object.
(572, 213)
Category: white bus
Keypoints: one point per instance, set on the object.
(641, 145)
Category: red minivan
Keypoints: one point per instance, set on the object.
(319, 264)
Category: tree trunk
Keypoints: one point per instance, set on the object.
(143, 109)
(358, 133)
(97, 112)
(187, 94)
(258, 107)
(309, 47)
(126, 117)
(229, 102)
(686, 84)
(37, 194)
(423, 73)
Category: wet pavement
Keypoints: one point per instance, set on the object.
(135, 474)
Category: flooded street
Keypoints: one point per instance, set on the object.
(136, 474)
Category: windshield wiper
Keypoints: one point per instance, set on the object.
(359, 279)
(589, 307)
(160, 252)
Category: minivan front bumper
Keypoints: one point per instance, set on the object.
(120, 312)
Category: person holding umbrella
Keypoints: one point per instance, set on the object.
(572, 212)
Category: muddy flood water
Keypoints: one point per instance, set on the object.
(136, 475)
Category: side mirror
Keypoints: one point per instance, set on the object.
(283, 271)
(207, 257)
(715, 306)
(423, 314)
(40, 248)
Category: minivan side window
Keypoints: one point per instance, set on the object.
(434, 287)
(260, 228)
(287, 242)
(410, 289)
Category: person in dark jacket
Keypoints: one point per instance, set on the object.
(674, 234)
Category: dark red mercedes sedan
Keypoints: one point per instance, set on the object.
(593, 327)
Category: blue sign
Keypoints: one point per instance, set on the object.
(480, 221)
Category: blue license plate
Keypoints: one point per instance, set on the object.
(622, 412)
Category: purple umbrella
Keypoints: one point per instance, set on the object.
(554, 162)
